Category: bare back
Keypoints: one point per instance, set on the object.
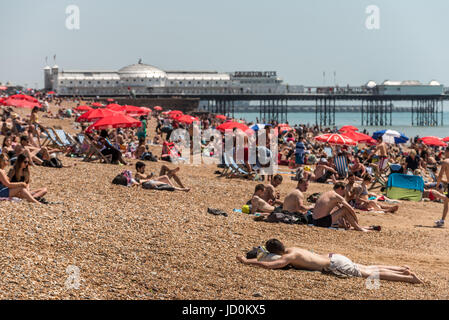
(325, 204)
(304, 259)
(293, 201)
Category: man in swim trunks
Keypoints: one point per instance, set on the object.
(164, 178)
(258, 205)
(444, 171)
(331, 208)
(270, 190)
(294, 202)
(330, 263)
(324, 173)
(381, 151)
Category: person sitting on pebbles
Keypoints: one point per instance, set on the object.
(334, 264)
(165, 175)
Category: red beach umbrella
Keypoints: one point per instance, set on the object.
(359, 137)
(231, 125)
(83, 108)
(433, 141)
(95, 115)
(187, 119)
(157, 108)
(334, 138)
(97, 105)
(221, 117)
(118, 120)
(446, 139)
(348, 128)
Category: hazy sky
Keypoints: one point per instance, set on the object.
(299, 39)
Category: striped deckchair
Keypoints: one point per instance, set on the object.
(341, 165)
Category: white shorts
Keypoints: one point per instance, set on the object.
(343, 267)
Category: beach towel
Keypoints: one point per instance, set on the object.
(405, 187)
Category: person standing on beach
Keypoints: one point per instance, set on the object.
(381, 151)
(443, 171)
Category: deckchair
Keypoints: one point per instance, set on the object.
(93, 150)
(238, 171)
(51, 138)
(341, 165)
(62, 136)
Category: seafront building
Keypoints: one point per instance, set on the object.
(143, 79)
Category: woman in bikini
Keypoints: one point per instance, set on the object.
(12, 189)
(20, 172)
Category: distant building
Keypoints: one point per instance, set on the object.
(389, 87)
(143, 79)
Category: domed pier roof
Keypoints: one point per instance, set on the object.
(142, 70)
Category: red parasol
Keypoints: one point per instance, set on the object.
(187, 119)
(433, 141)
(97, 105)
(360, 137)
(157, 108)
(221, 117)
(83, 108)
(118, 120)
(446, 139)
(348, 128)
(334, 138)
(21, 103)
(95, 115)
(231, 125)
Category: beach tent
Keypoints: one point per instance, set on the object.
(391, 136)
(405, 187)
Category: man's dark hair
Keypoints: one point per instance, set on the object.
(275, 246)
(278, 177)
(260, 187)
(339, 185)
(24, 138)
(301, 181)
(139, 165)
(350, 174)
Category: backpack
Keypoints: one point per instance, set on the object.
(120, 180)
(313, 198)
(123, 179)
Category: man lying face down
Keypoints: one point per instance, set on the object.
(331, 263)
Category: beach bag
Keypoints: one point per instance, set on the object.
(148, 156)
(120, 180)
(123, 179)
(313, 198)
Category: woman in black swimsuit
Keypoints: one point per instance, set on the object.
(21, 173)
(12, 189)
